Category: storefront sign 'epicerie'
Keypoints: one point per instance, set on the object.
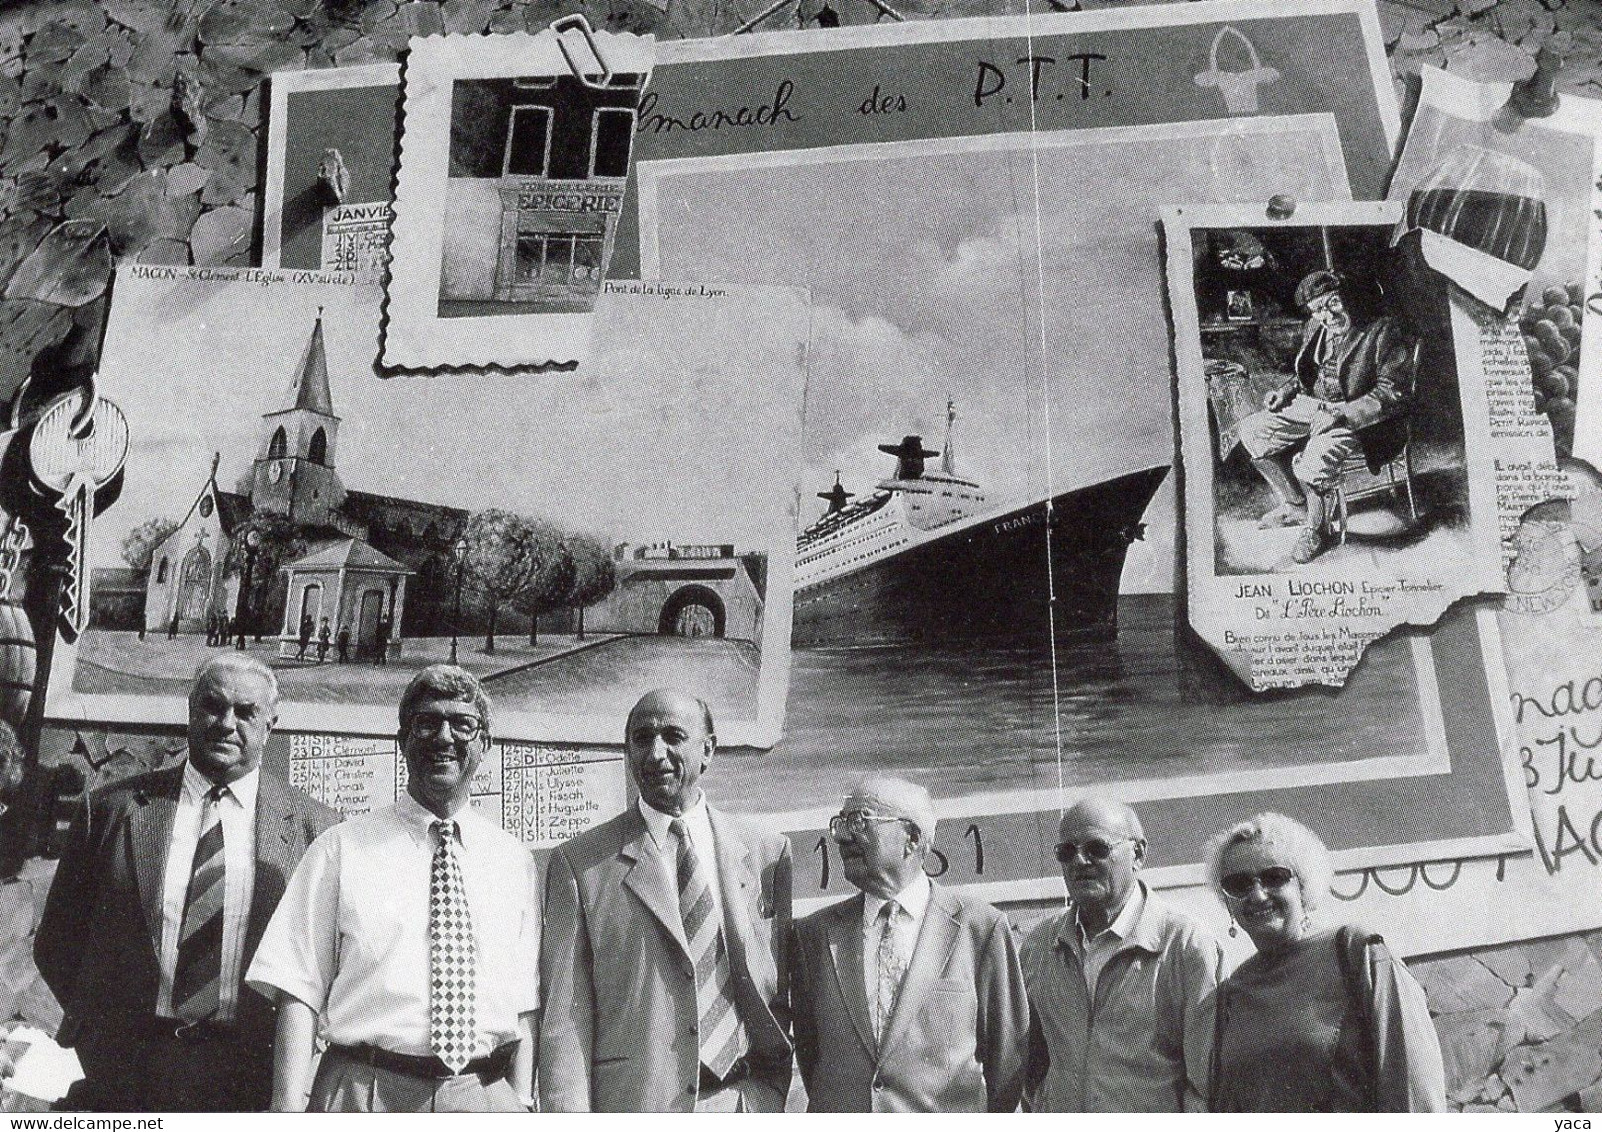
(579, 196)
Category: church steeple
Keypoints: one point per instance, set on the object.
(311, 376)
(294, 473)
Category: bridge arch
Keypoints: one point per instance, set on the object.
(684, 600)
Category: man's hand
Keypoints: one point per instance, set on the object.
(1276, 399)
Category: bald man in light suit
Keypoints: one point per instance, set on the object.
(907, 997)
(662, 962)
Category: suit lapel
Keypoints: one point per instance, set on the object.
(149, 834)
(845, 950)
(935, 940)
(276, 856)
(650, 877)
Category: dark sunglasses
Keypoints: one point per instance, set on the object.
(1239, 885)
(1094, 850)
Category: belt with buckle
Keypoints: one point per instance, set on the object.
(712, 1083)
(190, 1031)
(489, 1068)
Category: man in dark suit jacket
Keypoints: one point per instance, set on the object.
(154, 916)
(661, 962)
(906, 997)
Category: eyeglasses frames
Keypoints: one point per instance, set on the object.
(855, 823)
(1094, 850)
(426, 724)
(1239, 885)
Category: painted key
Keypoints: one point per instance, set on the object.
(73, 468)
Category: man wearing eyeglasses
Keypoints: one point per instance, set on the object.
(1121, 987)
(410, 935)
(907, 997)
(164, 887)
(663, 962)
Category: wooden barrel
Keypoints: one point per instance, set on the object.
(18, 663)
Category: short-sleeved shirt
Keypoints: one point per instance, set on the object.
(350, 936)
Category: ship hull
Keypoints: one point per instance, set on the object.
(989, 580)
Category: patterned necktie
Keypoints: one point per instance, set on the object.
(890, 969)
(451, 988)
(197, 975)
(721, 1044)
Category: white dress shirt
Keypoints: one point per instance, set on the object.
(237, 809)
(911, 904)
(699, 827)
(350, 936)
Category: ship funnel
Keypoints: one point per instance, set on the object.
(836, 496)
(910, 455)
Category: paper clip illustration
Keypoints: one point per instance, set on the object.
(1239, 88)
(569, 23)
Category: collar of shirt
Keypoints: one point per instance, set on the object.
(1122, 927)
(418, 820)
(695, 820)
(914, 901)
(242, 789)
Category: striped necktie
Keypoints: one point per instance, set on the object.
(452, 991)
(197, 975)
(721, 1039)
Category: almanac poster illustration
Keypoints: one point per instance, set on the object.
(990, 338)
(1351, 462)
(572, 542)
(514, 151)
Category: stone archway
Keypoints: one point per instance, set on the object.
(693, 611)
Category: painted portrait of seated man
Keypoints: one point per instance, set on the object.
(1350, 392)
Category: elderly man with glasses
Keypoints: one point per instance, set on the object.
(907, 997)
(411, 934)
(1121, 987)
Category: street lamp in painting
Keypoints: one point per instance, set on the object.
(459, 552)
(244, 615)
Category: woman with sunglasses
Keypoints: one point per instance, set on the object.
(1323, 1018)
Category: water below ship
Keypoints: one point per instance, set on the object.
(977, 717)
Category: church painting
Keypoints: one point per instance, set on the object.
(573, 550)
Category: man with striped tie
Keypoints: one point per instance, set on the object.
(163, 891)
(411, 933)
(662, 963)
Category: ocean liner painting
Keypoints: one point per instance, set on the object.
(926, 557)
